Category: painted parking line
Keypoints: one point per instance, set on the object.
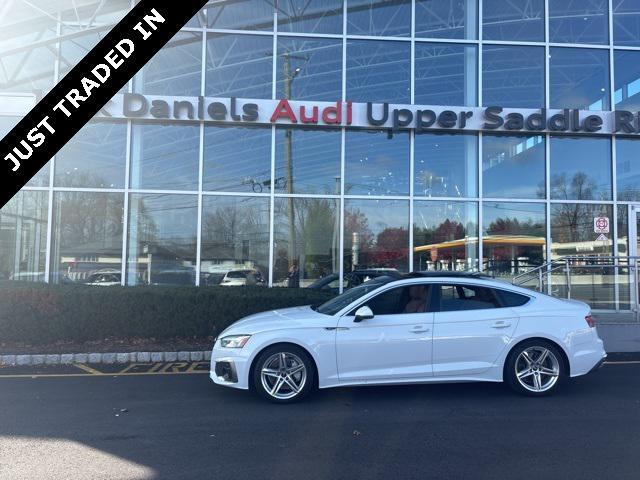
(84, 370)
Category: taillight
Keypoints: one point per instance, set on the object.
(590, 321)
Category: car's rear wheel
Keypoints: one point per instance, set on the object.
(535, 368)
(283, 373)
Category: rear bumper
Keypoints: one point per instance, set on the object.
(598, 365)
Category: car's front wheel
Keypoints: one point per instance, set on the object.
(535, 368)
(283, 373)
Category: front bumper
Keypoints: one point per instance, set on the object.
(229, 368)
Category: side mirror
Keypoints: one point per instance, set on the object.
(363, 313)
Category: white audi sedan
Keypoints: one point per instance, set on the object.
(417, 329)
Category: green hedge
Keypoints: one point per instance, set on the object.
(41, 313)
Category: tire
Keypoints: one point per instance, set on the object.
(535, 368)
(283, 384)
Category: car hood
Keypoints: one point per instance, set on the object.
(285, 318)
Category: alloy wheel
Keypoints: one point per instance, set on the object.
(537, 369)
(283, 375)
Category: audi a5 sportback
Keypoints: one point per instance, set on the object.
(416, 329)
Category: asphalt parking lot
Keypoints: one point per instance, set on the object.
(175, 424)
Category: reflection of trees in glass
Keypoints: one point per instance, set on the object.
(86, 218)
(233, 231)
(578, 187)
(444, 232)
(573, 222)
(388, 248)
(316, 238)
(513, 226)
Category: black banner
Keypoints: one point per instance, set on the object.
(81, 94)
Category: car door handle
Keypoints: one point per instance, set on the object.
(419, 330)
(501, 324)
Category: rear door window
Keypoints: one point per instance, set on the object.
(457, 297)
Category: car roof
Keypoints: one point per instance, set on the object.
(447, 274)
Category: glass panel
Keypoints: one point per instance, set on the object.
(579, 78)
(228, 168)
(378, 71)
(447, 19)
(239, 66)
(165, 157)
(578, 21)
(309, 69)
(627, 80)
(242, 15)
(376, 163)
(199, 20)
(626, 22)
(87, 238)
(174, 70)
(308, 161)
(303, 16)
(26, 69)
(513, 76)
(375, 17)
(235, 241)
(520, 20)
(514, 238)
(23, 237)
(624, 286)
(306, 240)
(628, 169)
(40, 179)
(445, 235)
(446, 165)
(580, 168)
(80, 164)
(162, 239)
(446, 74)
(504, 160)
(572, 233)
(376, 234)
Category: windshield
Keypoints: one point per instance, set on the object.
(336, 304)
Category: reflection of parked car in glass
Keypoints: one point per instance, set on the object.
(235, 278)
(352, 279)
(105, 278)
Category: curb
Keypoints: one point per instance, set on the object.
(105, 358)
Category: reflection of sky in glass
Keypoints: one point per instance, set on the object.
(317, 16)
(445, 165)
(242, 15)
(373, 17)
(519, 20)
(446, 18)
(237, 159)
(40, 179)
(445, 74)
(496, 215)
(513, 76)
(626, 23)
(580, 168)
(505, 158)
(578, 21)
(627, 78)
(378, 71)
(628, 169)
(80, 164)
(579, 78)
(176, 69)
(315, 160)
(314, 66)
(376, 163)
(239, 66)
(165, 156)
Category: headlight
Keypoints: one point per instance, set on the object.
(234, 341)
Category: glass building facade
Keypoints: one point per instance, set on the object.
(138, 202)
